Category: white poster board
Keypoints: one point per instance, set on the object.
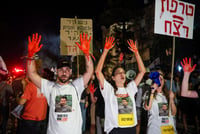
(70, 30)
(174, 18)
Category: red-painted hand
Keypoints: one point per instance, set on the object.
(187, 67)
(33, 44)
(121, 56)
(91, 88)
(133, 46)
(84, 43)
(109, 43)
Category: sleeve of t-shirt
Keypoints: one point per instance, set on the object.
(79, 85)
(108, 88)
(27, 92)
(131, 87)
(46, 88)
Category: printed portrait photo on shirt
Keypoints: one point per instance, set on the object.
(125, 105)
(63, 103)
(163, 109)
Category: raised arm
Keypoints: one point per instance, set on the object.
(85, 47)
(33, 47)
(172, 103)
(148, 103)
(156, 84)
(141, 66)
(187, 68)
(108, 45)
(92, 90)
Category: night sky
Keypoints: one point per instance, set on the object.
(21, 19)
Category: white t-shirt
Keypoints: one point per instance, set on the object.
(159, 117)
(114, 116)
(69, 122)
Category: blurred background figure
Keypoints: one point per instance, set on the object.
(84, 105)
(142, 117)
(6, 92)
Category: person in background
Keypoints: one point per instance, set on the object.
(48, 74)
(6, 92)
(18, 85)
(84, 105)
(116, 123)
(143, 87)
(188, 69)
(100, 111)
(35, 108)
(159, 98)
(92, 107)
(190, 104)
(177, 80)
(96, 107)
(168, 82)
(34, 112)
(62, 122)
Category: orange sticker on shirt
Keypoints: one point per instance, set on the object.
(167, 129)
(125, 119)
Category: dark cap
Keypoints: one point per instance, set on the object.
(63, 63)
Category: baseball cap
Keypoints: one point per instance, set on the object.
(63, 63)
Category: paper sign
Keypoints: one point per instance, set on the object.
(174, 18)
(70, 30)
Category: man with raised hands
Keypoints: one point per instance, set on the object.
(62, 122)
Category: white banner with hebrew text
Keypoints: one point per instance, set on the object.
(174, 18)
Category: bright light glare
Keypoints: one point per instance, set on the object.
(17, 70)
(179, 68)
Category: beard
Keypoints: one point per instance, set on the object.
(63, 79)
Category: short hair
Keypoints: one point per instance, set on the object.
(63, 97)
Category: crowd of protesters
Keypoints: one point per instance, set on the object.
(148, 104)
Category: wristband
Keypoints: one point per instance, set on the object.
(34, 57)
(151, 97)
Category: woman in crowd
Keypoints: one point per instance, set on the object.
(161, 107)
(114, 93)
(190, 98)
